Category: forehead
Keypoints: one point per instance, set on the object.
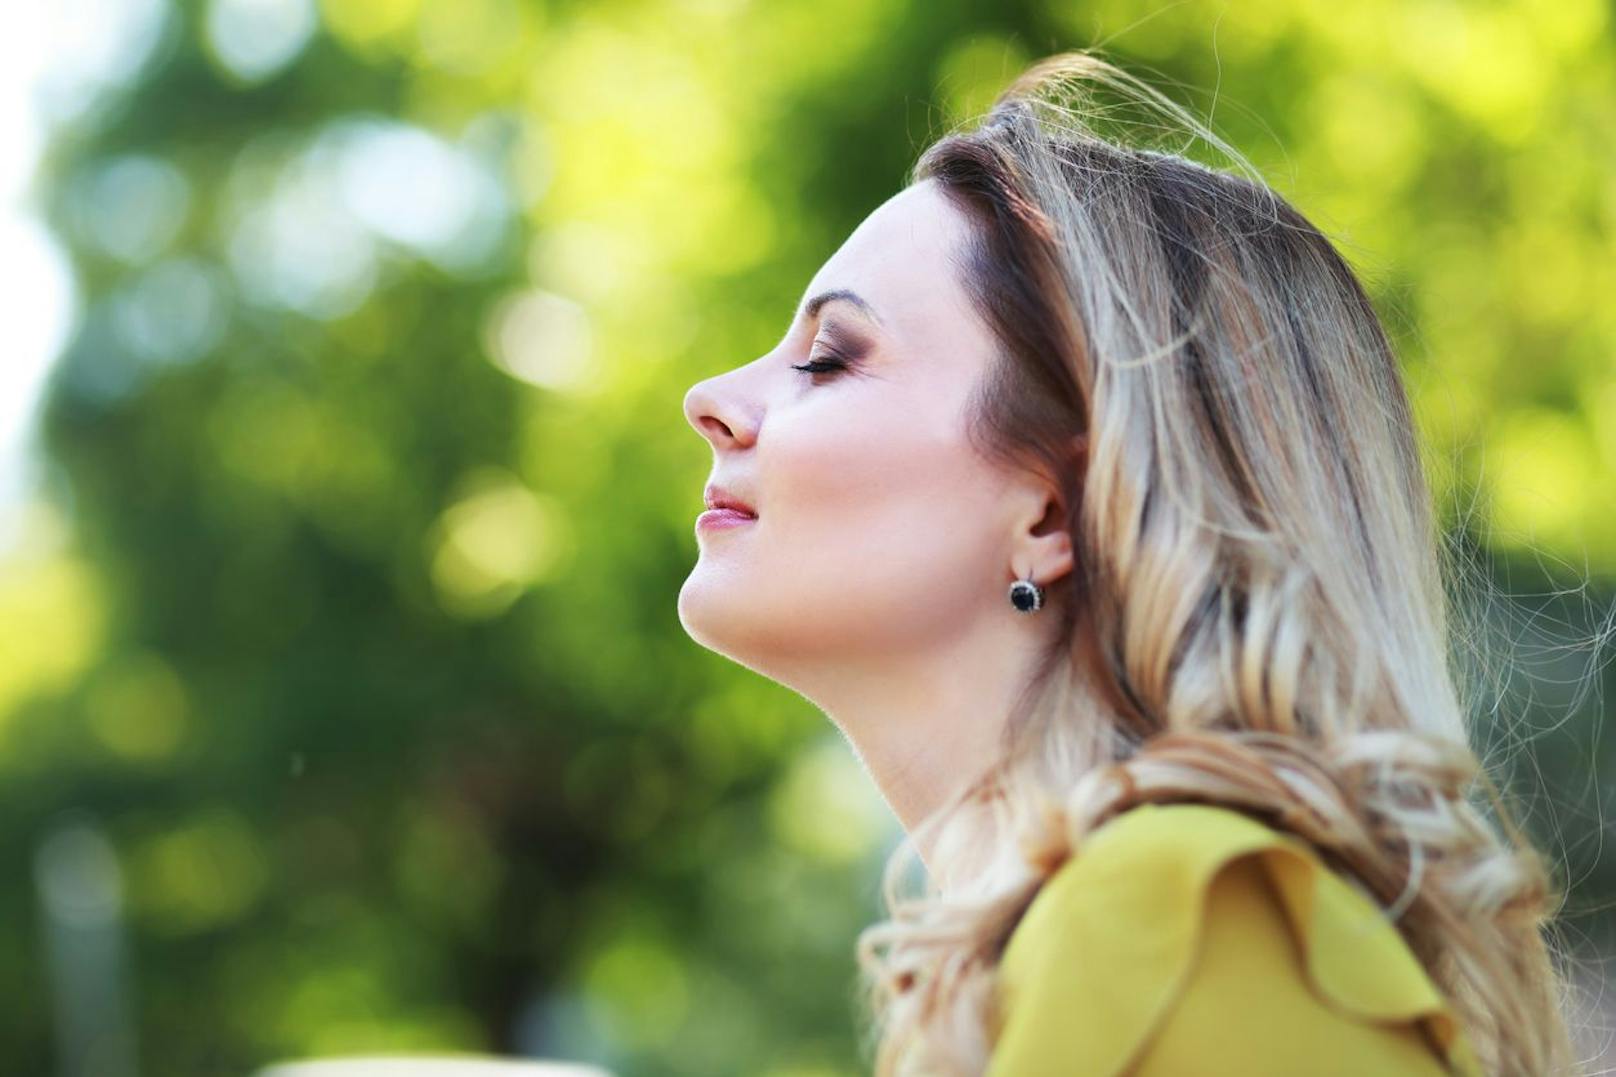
(901, 259)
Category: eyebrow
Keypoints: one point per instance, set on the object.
(843, 295)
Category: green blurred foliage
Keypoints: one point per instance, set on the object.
(372, 492)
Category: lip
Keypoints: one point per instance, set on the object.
(716, 497)
(719, 519)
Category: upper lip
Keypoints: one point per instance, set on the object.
(719, 498)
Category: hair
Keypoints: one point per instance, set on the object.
(1256, 618)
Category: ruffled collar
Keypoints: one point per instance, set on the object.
(1356, 960)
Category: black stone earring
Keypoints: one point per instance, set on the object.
(1025, 595)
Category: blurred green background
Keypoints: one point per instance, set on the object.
(343, 702)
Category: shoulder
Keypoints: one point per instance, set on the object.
(1127, 951)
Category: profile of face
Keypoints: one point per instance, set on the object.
(881, 535)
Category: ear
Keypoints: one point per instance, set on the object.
(1043, 542)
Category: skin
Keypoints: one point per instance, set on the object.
(874, 581)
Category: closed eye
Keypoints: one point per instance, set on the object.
(821, 366)
(826, 362)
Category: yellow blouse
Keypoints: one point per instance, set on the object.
(1187, 939)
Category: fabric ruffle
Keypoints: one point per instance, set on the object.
(1127, 911)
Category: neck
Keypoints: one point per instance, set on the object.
(926, 725)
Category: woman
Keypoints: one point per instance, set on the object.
(1083, 495)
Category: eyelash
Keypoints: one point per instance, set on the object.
(821, 366)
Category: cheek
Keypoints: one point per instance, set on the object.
(839, 470)
(904, 506)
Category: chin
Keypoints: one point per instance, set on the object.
(700, 612)
(713, 618)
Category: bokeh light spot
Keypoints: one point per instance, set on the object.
(255, 39)
(130, 207)
(204, 873)
(541, 338)
(494, 543)
(1540, 465)
(139, 708)
(826, 807)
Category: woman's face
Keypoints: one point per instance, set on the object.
(880, 533)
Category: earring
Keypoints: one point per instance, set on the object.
(1025, 595)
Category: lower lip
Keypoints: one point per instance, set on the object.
(714, 519)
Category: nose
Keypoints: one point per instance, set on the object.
(716, 415)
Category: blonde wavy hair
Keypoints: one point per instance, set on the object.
(1257, 617)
